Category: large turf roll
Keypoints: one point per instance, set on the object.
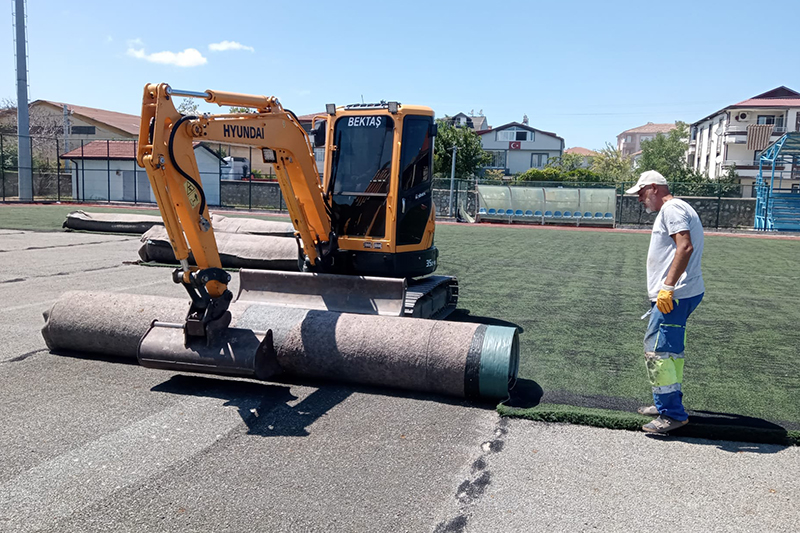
(236, 250)
(457, 359)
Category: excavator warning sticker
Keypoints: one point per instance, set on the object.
(192, 194)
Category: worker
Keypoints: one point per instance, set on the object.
(675, 288)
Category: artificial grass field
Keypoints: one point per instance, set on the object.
(577, 297)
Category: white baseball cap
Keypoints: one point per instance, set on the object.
(648, 177)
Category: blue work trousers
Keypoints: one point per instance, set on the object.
(664, 345)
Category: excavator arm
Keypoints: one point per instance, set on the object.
(166, 151)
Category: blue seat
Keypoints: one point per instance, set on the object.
(548, 214)
(492, 211)
(608, 215)
(587, 214)
(518, 213)
(598, 215)
(567, 214)
(537, 213)
(528, 213)
(482, 211)
(576, 214)
(556, 214)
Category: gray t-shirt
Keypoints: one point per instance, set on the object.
(675, 216)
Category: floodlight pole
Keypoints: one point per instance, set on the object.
(24, 163)
(452, 180)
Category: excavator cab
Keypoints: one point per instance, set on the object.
(377, 180)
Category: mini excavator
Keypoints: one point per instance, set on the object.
(369, 216)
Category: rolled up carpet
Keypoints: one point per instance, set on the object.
(236, 250)
(111, 222)
(452, 358)
(140, 222)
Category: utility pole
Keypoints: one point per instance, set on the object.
(452, 179)
(25, 165)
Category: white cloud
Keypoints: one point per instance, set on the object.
(229, 45)
(190, 57)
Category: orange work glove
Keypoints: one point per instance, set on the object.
(664, 298)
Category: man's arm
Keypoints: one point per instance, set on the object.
(683, 251)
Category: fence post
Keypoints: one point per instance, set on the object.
(108, 169)
(719, 200)
(58, 174)
(3, 167)
(135, 177)
(83, 175)
(250, 181)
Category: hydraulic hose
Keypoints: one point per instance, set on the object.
(179, 169)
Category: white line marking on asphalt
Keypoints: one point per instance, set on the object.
(48, 303)
(75, 480)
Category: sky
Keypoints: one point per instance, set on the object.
(586, 70)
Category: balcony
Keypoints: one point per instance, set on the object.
(741, 129)
(747, 164)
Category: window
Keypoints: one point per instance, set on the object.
(539, 160)
(514, 134)
(771, 119)
(415, 160)
(83, 130)
(628, 138)
(360, 172)
(645, 138)
(498, 159)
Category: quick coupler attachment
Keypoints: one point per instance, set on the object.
(231, 352)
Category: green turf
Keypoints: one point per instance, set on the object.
(577, 297)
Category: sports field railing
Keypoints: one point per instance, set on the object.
(561, 205)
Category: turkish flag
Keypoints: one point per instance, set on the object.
(514, 145)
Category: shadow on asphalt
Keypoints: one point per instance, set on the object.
(273, 416)
(462, 315)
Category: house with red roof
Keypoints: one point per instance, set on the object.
(735, 135)
(629, 142)
(587, 155)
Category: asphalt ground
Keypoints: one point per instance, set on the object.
(89, 445)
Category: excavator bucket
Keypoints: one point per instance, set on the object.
(365, 295)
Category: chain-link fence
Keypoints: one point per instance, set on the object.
(105, 171)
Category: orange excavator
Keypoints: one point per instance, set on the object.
(365, 227)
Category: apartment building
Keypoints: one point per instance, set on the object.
(629, 142)
(735, 136)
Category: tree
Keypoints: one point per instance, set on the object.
(666, 153)
(240, 110)
(612, 165)
(470, 155)
(189, 106)
(566, 162)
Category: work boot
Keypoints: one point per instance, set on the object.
(663, 424)
(650, 410)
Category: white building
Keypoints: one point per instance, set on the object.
(735, 136)
(516, 147)
(107, 171)
(629, 142)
